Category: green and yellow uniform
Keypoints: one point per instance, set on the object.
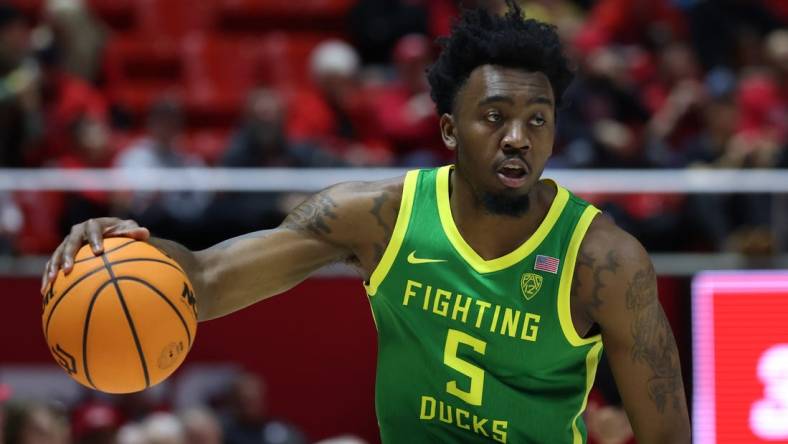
(474, 350)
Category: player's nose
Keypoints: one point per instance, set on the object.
(515, 137)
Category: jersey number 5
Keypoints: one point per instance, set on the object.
(453, 340)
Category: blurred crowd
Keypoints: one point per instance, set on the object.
(660, 84)
(237, 414)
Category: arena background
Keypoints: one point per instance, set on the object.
(677, 126)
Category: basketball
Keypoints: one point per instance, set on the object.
(122, 321)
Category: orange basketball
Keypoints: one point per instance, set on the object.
(122, 321)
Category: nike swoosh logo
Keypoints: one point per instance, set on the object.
(412, 259)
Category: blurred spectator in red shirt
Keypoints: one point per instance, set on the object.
(95, 423)
(674, 99)
(62, 99)
(763, 120)
(337, 115)
(406, 111)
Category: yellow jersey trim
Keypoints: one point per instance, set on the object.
(592, 361)
(397, 236)
(565, 286)
(472, 257)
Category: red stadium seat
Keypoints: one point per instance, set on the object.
(139, 70)
(262, 15)
(218, 73)
(119, 15)
(173, 18)
(283, 58)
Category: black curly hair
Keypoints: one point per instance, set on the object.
(480, 37)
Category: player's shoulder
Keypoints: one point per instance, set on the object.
(605, 241)
(352, 197)
(611, 260)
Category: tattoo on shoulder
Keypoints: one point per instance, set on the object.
(654, 343)
(610, 265)
(313, 215)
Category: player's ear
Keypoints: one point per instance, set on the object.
(448, 131)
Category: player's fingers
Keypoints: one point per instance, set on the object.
(138, 233)
(94, 236)
(54, 263)
(74, 240)
(128, 228)
(44, 276)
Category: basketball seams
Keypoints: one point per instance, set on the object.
(90, 276)
(62, 296)
(85, 328)
(111, 250)
(114, 281)
(165, 299)
(94, 271)
(171, 261)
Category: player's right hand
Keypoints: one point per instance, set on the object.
(91, 231)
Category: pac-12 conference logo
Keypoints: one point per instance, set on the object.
(530, 284)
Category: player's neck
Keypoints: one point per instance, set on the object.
(494, 235)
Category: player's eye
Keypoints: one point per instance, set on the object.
(538, 121)
(493, 117)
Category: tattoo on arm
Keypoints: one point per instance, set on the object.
(654, 343)
(312, 215)
(610, 266)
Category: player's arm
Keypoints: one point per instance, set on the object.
(345, 222)
(617, 288)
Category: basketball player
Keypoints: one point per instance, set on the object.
(492, 290)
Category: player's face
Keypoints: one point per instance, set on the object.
(502, 127)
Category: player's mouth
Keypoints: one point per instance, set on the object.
(512, 173)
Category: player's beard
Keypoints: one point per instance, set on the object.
(503, 205)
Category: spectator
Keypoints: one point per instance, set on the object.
(95, 423)
(601, 123)
(337, 116)
(33, 423)
(11, 221)
(201, 426)
(174, 213)
(406, 112)
(674, 100)
(61, 99)
(131, 433)
(260, 141)
(82, 37)
(18, 81)
(91, 149)
(246, 421)
(163, 428)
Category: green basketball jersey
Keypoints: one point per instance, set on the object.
(473, 350)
